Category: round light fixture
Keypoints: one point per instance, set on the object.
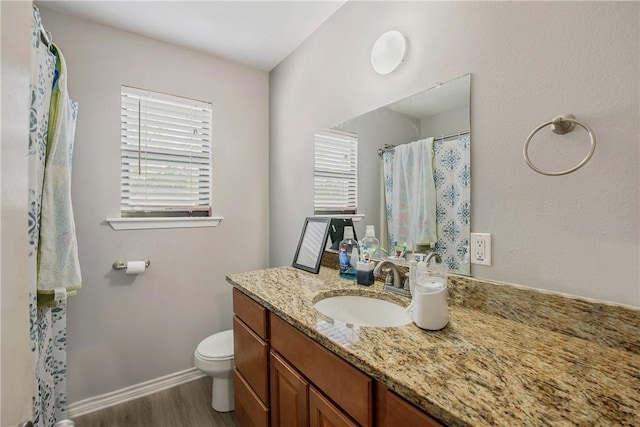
(389, 51)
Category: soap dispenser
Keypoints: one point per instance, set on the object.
(429, 308)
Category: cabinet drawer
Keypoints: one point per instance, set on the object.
(251, 358)
(394, 411)
(249, 410)
(345, 385)
(251, 313)
(324, 413)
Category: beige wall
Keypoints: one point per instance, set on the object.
(374, 130)
(530, 61)
(123, 330)
(16, 368)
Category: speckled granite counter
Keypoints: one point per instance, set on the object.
(570, 362)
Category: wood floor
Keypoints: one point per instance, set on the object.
(186, 405)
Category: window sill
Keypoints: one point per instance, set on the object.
(353, 217)
(150, 223)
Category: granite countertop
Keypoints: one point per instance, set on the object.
(488, 366)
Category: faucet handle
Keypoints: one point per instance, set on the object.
(388, 278)
(406, 285)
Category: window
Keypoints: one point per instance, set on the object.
(335, 173)
(166, 155)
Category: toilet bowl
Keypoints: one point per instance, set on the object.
(214, 357)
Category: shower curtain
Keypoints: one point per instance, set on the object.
(452, 176)
(451, 168)
(51, 128)
(410, 194)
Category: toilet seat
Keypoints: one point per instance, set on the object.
(217, 347)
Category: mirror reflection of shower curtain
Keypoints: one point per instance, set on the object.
(452, 176)
(410, 194)
(452, 179)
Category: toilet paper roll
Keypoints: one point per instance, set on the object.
(135, 267)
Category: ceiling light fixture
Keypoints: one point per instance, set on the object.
(389, 51)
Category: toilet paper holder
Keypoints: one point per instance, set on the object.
(122, 265)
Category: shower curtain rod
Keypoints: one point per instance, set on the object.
(437, 138)
(45, 35)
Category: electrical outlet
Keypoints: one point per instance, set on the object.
(481, 248)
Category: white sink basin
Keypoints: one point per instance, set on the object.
(363, 311)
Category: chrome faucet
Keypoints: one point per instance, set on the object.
(393, 281)
(433, 255)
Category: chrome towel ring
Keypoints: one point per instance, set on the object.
(561, 125)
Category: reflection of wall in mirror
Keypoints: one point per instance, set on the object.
(376, 129)
(446, 123)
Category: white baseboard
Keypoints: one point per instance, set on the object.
(96, 403)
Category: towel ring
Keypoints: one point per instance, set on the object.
(561, 125)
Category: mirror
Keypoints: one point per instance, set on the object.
(443, 113)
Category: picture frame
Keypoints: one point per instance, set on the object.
(313, 240)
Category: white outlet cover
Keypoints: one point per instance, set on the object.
(481, 248)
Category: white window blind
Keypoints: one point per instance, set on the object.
(166, 155)
(335, 173)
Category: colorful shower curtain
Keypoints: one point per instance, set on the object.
(47, 172)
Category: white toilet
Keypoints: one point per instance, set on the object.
(214, 357)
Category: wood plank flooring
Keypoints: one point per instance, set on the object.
(186, 405)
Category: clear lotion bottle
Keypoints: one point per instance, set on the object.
(370, 244)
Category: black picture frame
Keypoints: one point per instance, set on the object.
(313, 240)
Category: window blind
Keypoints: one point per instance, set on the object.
(166, 155)
(335, 173)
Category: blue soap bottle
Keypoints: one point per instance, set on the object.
(345, 254)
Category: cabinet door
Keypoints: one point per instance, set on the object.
(289, 395)
(323, 413)
(394, 411)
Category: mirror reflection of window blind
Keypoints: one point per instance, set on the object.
(335, 173)
(166, 155)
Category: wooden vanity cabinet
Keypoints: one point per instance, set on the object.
(251, 360)
(284, 378)
(394, 411)
(349, 388)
